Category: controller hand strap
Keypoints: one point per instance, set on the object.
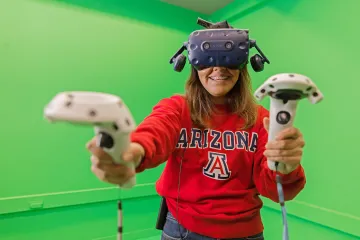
(282, 203)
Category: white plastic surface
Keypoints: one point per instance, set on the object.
(289, 81)
(285, 81)
(100, 110)
(277, 106)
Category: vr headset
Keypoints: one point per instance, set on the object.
(219, 45)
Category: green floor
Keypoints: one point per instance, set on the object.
(299, 229)
(98, 222)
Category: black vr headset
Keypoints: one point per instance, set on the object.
(219, 45)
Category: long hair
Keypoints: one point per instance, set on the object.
(239, 100)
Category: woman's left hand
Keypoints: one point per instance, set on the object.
(287, 147)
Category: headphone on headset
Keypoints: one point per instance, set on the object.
(219, 45)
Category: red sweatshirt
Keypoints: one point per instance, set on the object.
(223, 170)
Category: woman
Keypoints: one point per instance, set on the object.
(214, 142)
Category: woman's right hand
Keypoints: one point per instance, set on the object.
(107, 170)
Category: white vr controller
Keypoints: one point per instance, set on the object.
(108, 114)
(285, 90)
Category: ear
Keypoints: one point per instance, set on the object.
(266, 122)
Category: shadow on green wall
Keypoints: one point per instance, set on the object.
(284, 7)
(240, 9)
(149, 11)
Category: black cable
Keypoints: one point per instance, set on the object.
(278, 186)
(178, 195)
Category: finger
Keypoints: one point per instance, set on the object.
(117, 180)
(288, 133)
(97, 151)
(128, 156)
(109, 166)
(99, 173)
(134, 153)
(106, 165)
(129, 174)
(291, 160)
(103, 176)
(112, 175)
(91, 143)
(99, 162)
(285, 144)
(100, 153)
(283, 153)
(116, 170)
(266, 122)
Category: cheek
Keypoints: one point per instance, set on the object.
(203, 76)
(235, 73)
(202, 79)
(203, 73)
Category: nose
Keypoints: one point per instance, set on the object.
(218, 68)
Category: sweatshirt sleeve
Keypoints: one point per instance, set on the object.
(265, 179)
(158, 133)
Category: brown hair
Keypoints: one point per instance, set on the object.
(239, 100)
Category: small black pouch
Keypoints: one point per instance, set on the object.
(163, 210)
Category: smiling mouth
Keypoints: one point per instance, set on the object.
(219, 78)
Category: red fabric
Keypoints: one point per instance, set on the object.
(222, 175)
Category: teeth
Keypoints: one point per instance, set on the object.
(219, 78)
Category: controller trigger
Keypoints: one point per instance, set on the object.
(105, 140)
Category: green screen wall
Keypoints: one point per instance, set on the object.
(319, 39)
(51, 46)
(47, 190)
(48, 47)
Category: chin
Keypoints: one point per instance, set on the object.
(219, 92)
